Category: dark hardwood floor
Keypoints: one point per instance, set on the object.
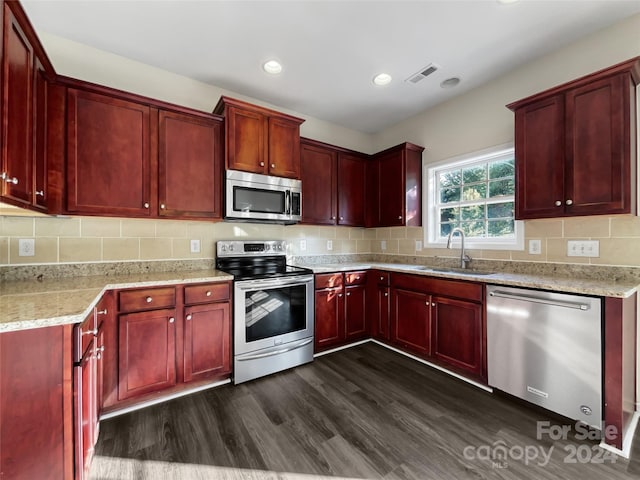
(365, 412)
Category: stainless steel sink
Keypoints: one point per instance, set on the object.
(463, 271)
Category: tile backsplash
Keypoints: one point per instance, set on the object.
(94, 239)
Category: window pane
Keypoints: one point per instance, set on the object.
(501, 188)
(445, 229)
(473, 212)
(501, 169)
(450, 214)
(474, 192)
(449, 179)
(501, 228)
(474, 174)
(450, 195)
(474, 229)
(500, 210)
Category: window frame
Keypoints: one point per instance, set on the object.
(430, 218)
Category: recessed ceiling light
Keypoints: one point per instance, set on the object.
(272, 66)
(450, 82)
(382, 79)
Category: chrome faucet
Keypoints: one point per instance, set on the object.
(464, 258)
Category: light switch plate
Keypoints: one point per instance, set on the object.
(303, 245)
(535, 247)
(329, 244)
(26, 247)
(583, 248)
(195, 246)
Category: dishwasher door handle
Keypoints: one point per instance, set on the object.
(535, 299)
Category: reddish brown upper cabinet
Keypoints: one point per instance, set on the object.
(108, 155)
(24, 112)
(394, 178)
(575, 146)
(333, 184)
(189, 166)
(260, 140)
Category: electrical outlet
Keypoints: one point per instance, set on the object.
(383, 245)
(583, 248)
(418, 245)
(329, 244)
(303, 245)
(26, 247)
(195, 246)
(535, 247)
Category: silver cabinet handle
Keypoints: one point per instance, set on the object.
(532, 298)
(208, 294)
(149, 299)
(13, 180)
(262, 164)
(340, 295)
(399, 217)
(99, 352)
(273, 165)
(333, 218)
(348, 294)
(90, 332)
(381, 278)
(171, 320)
(341, 218)
(569, 202)
(358, 277)
(101, 312)
(189, 317)
(433, 304)
(162, 206)
(146, 204)
(275, 352)
(558, 203)
(386, 294)
(39, 193)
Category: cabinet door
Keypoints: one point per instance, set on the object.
(86, 412)
(207, 341)
(598, 171)
(17, 112)
(189, 168)
(108, 158)
(39, 197)
(146, 353)
(391, 187)
(457, 333)
(539, 149)
(284, 148)
(318, 168)
(351, 189)
(329, 321)
(246, 140)
(355, 312)
(410, 320)
(383, 317)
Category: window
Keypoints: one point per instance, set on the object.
(477, 194)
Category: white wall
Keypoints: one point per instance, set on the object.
(86, 63)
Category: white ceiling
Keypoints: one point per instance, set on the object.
(331, 50)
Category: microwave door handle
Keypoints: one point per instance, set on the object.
(287, 202)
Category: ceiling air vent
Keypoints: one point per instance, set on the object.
(423, 73)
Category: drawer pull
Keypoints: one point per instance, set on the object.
(149, 299)
(91, 332)
(348, 294)
(189, 317)
(386, 294)
(171, 320)
(381, 278)
(208, 294)
(101, 312)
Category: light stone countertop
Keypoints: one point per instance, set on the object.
(33, 304)
(557, 283)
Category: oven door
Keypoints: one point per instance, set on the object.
(272, 312)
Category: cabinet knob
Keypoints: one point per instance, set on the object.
(569, 202)
(162, 207)
(149, 299)
(333, 218)
(558, 203)
(146, 204)
(399, 217)
(171, 320)
(340, 295)
(90, 332)
(13, 180)
(386, 294)
(341, 218)
(433, 304)
(39, 193)
(101, 312)
(262, 164)
(348, 294)
(273, 165)
(208, 294)
(189, 317)
(358, 277)
(381, 278)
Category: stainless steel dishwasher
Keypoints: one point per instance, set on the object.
(546, 348)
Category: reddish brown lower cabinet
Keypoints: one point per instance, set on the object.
(329, 326)
(36, 404)
(411, 320)
(207, 341)
(86, 410)
(146, 352)
(457, 333)
(354, 312)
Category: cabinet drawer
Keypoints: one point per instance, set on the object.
(355, 278)
(382, 278)
(146, 299)
(328, 280)
(435, 286)
(205, 293)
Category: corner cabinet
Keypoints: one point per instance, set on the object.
(575, 146)
(260, 140)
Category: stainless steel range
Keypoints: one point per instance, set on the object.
(273, 309)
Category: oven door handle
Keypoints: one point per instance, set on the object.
(278, 282)
(274, 352)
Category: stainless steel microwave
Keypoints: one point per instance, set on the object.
(262, 198)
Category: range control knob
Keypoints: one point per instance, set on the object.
(231, 248)
(224, 248)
